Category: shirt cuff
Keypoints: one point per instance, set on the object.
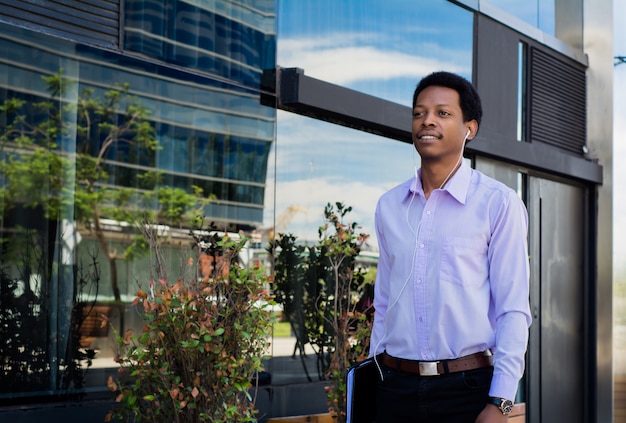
(503, 386)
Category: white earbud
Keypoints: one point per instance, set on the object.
(466, 135)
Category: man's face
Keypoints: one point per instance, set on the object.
(438, 128)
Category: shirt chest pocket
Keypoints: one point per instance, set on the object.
(464, 261)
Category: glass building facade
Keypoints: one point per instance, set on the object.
(196, 73)
(194, 69)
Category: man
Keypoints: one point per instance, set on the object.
(451, 294)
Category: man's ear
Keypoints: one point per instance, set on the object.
(472, 127)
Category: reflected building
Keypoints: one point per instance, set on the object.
(195, 69)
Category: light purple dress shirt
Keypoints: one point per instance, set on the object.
(453, 274)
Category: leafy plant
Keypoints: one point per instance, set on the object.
(322, 289)
(203, 342)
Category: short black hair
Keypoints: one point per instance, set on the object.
(468, 96)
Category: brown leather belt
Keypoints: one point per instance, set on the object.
(436, 368)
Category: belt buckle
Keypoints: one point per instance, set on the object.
(428, 368)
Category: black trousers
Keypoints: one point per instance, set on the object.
(451, 398)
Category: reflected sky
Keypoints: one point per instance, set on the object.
(318, 162)
(619, 144)
(540, 13)
(381, 49)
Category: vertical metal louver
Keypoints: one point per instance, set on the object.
(557, 99)
(87, 21)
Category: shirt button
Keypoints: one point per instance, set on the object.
(428, 212)
(421, 245)
(421, 319)
(419, 281)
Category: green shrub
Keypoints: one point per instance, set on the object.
(204, 339)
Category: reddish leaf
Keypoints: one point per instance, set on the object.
(111, 385)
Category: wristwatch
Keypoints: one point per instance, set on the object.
(504, 405)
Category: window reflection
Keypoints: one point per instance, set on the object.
(230, 40)
(212, 134)
(540, 14)
(69, 256)
(379, 48)
(320, 163)
(522, 93)
(560, 19)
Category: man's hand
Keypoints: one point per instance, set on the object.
(491, 414)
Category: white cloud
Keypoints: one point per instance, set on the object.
(312, 195)
(340, 59)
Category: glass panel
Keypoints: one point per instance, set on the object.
(619, 216)
(540, 13)
(77, 176)
(562, 19)
(522, 186)
(522, 94)
(379, 48)
(320, 163)
(227, 39)
(522, 192)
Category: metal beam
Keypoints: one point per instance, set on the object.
(333, 103)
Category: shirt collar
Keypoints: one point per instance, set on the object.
(457, 186)
(460, 182)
